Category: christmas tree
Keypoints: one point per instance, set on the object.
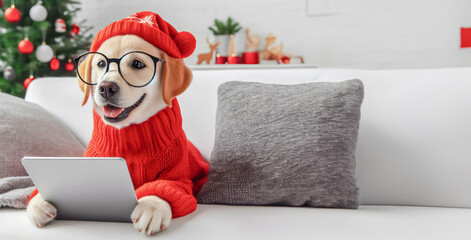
(38, 38)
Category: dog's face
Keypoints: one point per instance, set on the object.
(120, 104)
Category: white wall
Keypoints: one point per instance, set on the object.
(373, 34)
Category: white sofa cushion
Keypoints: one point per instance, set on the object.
(62, 97)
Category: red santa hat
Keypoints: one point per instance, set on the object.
(152, 28)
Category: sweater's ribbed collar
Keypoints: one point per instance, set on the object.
(149, 137)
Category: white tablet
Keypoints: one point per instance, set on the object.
(96, 189)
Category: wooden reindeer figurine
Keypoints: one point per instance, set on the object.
(301, 59)
(207, 56)
(252, 42)
(271, 52)
(269, 40)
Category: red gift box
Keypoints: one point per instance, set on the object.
(251, 58)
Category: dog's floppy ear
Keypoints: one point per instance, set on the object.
(176, 77)
(85, 70)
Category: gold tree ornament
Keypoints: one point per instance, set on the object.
(231, 49)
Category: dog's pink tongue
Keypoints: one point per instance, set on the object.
(111, 111)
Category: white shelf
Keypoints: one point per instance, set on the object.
(249, 66)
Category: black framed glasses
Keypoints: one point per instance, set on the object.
(136, 68)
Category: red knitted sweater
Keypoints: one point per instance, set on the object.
(160, 159)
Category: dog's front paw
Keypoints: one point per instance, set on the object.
(151, 215)
(40, 212)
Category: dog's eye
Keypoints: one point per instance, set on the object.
(101, 64)
(138, 64)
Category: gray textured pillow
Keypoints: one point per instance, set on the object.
(285, 145)
(27, 129)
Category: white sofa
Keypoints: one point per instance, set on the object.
(413, 161)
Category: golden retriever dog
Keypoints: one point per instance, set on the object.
(133, 74)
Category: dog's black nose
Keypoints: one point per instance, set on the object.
(108, 89)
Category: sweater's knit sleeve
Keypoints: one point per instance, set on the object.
(34, 193)
(177, 193)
